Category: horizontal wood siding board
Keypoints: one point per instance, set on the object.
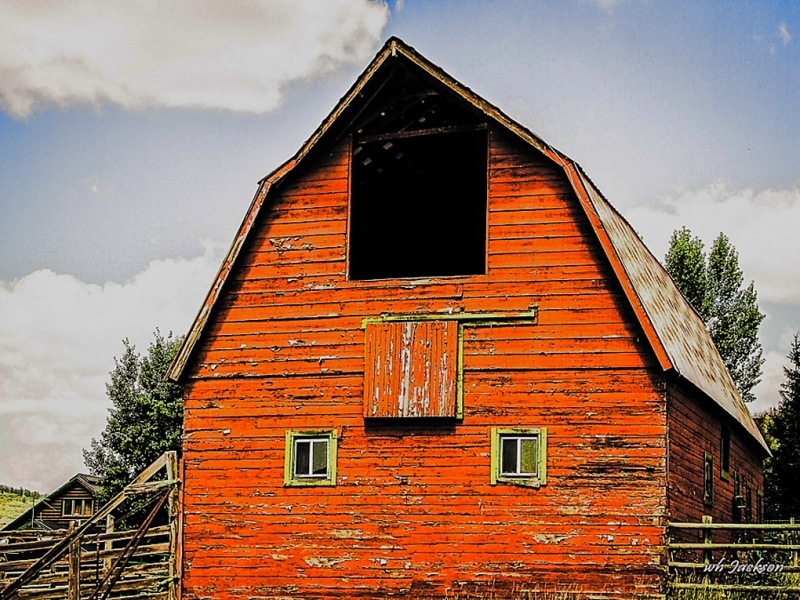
(695, 428)
(242, 312)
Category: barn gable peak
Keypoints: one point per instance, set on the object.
(400, 97)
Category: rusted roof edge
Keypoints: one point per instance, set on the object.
(580, 184)
(680, 383)
(277, 174)
(586, 192)
(181, 359)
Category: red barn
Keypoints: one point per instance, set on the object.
(437, 363)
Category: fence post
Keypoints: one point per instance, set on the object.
(74, 573)
(793, 540)
(173, 474)
(707, 539)
(109, 544)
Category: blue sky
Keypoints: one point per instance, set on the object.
(131, 143)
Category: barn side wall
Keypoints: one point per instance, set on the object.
(696, 428)
(413, 513)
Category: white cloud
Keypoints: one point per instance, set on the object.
(761, 224)
(784, 34)
(58, 339)
(766, 392)
(234, 55)
(763, 227)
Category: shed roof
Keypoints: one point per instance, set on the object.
(675, 332)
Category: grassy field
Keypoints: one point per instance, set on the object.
(13, 504)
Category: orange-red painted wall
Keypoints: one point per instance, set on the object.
(694, 429)
(413, 513)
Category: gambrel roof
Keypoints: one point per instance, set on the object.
(673, 329)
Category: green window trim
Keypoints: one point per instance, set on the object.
(759, 506)
(515, 437)
(725, 454)
(708, 479)
(312, 440)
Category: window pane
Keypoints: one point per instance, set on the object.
(302, 458)
(529, 455)
(509, 456)
(320, 459)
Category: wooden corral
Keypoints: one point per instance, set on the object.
(147, 577)
(92, 561)
(437, 363)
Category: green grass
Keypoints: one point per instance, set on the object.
(12, 505)
(776, 579)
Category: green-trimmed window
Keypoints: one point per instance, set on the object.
(725, 454)
(519, 456)
(708, 479)
(310, 458)
(759, 506)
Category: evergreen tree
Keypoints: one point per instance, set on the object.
(713, 285)
(146, 418)
(782, 431)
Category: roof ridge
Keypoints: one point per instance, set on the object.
(667, 338)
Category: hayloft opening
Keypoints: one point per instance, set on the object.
(418, 203)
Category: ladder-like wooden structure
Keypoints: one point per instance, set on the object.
(91, 561)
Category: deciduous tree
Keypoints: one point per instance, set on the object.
(146, 417)
(714, 286)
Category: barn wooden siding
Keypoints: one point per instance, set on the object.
(695, 430)
(413, 513)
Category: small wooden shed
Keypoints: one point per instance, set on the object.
(72, 501)
(436, 362)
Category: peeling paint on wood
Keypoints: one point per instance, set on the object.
(293, 344)
(411, 369)
(420, 498)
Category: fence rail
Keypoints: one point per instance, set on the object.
(752, 557)
(146, 574)
(90, 560)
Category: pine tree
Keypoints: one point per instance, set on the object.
(713, 285)
(782, 429)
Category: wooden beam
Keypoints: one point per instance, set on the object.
(419, 133)
(734, 526)
(467, 318)
(172, 509)
(74, 573)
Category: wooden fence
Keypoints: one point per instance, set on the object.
(748, 557)
(91, 561)
(87, 564)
